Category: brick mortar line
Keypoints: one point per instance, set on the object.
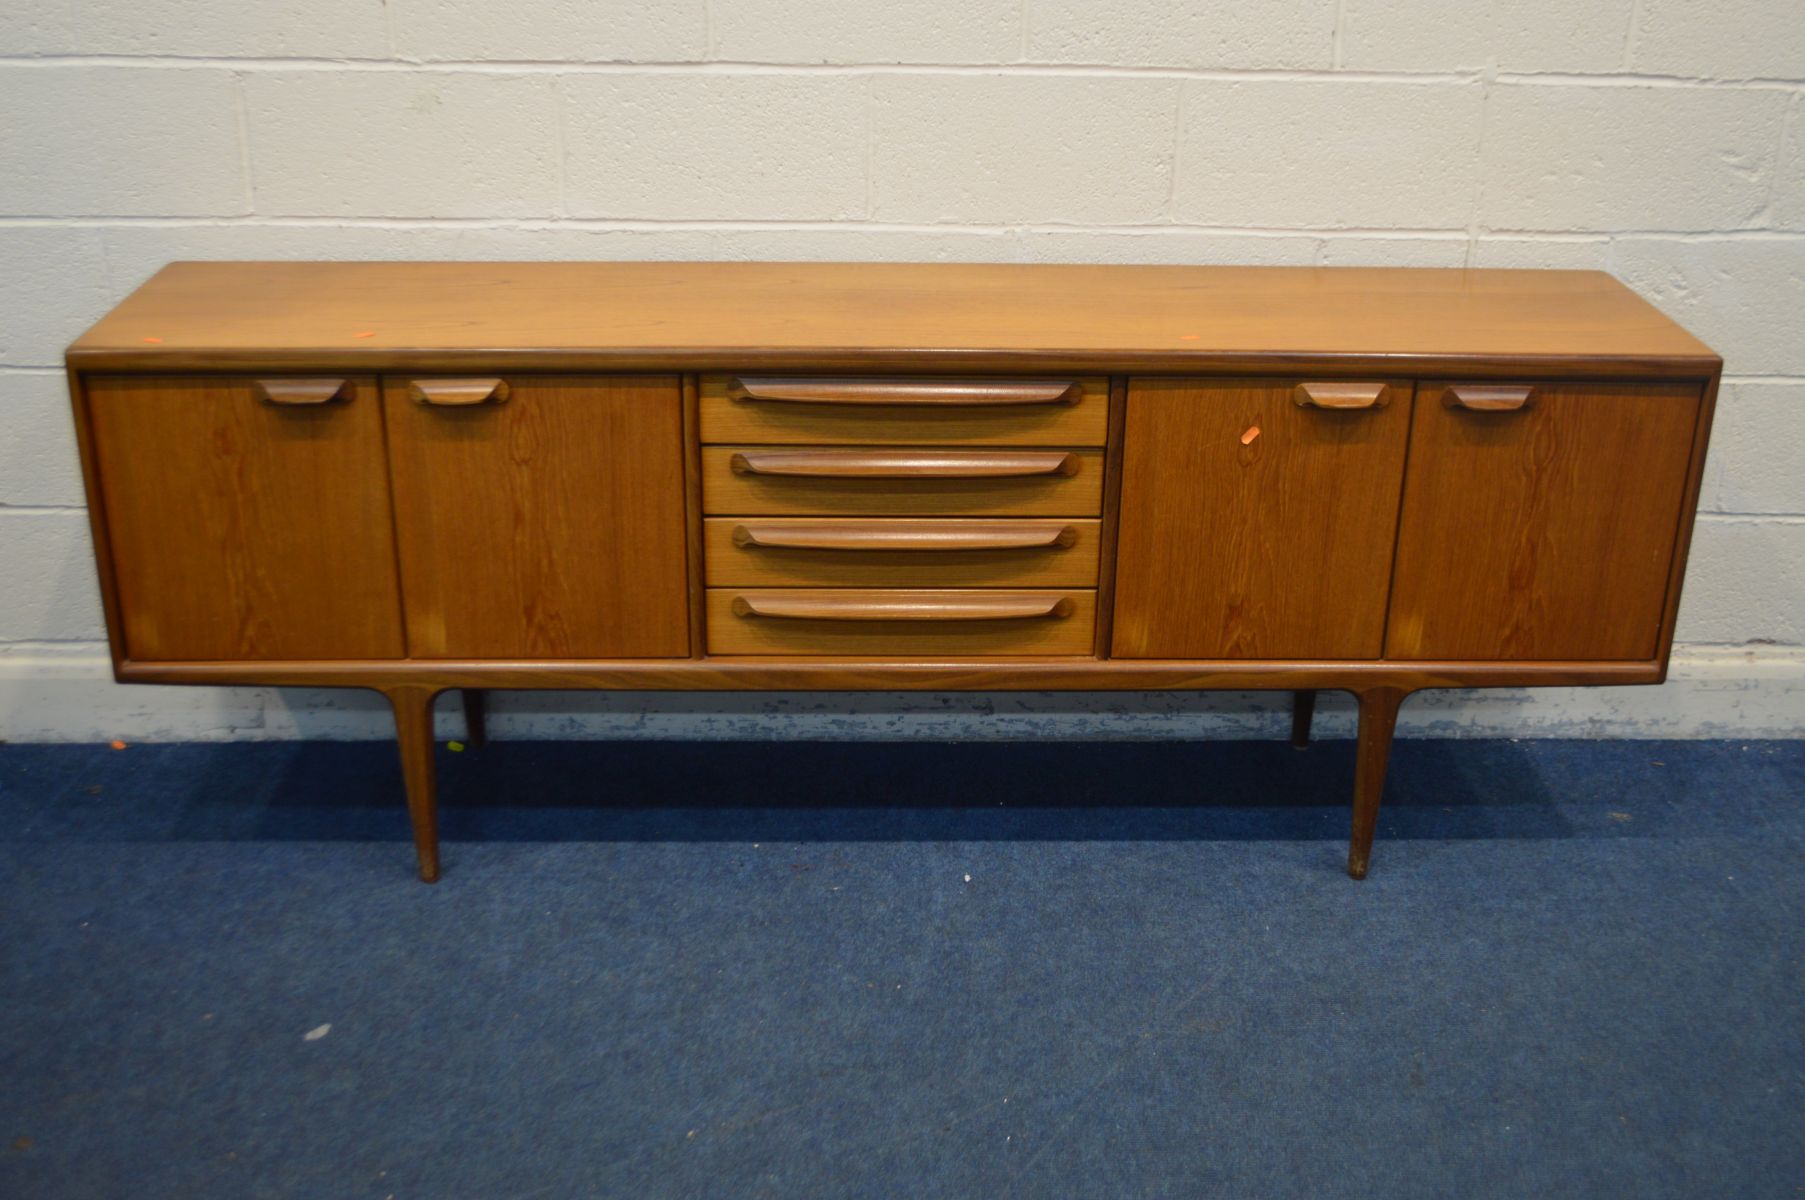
(1740, 518)
(749, 67)
(767, 225)
(61, 644)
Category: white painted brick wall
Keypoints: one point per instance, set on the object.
(51, 592)
(1662, 140)
(1788, 190)
(424, 143)
(1258, 35)
(1003, 149)
(187, 29)
(895, 31)
(1754, 465)
(549, 30)
(1511, 35)
(682, 146)
(120, 142)
(1328, 154)
(1719, 39)
(39, 467)
(1566, 157)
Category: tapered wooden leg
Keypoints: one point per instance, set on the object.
(1303, 708)
(1378, 719)
(413, 734)
(476, 725)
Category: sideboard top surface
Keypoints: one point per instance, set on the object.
(559, 315)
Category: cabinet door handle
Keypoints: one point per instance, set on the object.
(304, 391)
(1342, 396)
(1487, 398)
(904, 464)
(966, 393)
(901, 606)
(458, 393)
(905, 535)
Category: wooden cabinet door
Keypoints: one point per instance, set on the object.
(1253, 526)
(1540, 531)
(541, 519)
(246, 521)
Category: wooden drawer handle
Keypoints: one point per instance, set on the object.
(304, 391)
(904, 535)
(965, 393)
(1478, 398)
(1342, 396)
(904, 464)
(901, 606)
(458, 393)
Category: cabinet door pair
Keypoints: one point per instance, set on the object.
(1437, 522)
(254, 519)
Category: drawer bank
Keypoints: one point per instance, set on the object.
(415, 477)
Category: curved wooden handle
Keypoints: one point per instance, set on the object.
(1487, 397)
(1342, 396)
(972, 393)
(304, 391)
(458, 393)
(820, 605)
(904, 464)
(904, 535)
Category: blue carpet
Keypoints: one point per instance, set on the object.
(726, 970)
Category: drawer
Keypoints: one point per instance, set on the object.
(822, 410)
(858, 481)
(901, 622)
(900, 552)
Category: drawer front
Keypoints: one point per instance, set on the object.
(825, 410)
(1539, 520)
(902, 622)
(856, 480)
(900, 552)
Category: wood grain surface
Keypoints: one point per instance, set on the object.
(242, 528)
(1543, 531)
(907, 623)
(891, 552)
(1252, 526)
(942, 316)
(1074, 488)
(1081, 421)
(548, 526)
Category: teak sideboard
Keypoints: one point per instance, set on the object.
(416, 477)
